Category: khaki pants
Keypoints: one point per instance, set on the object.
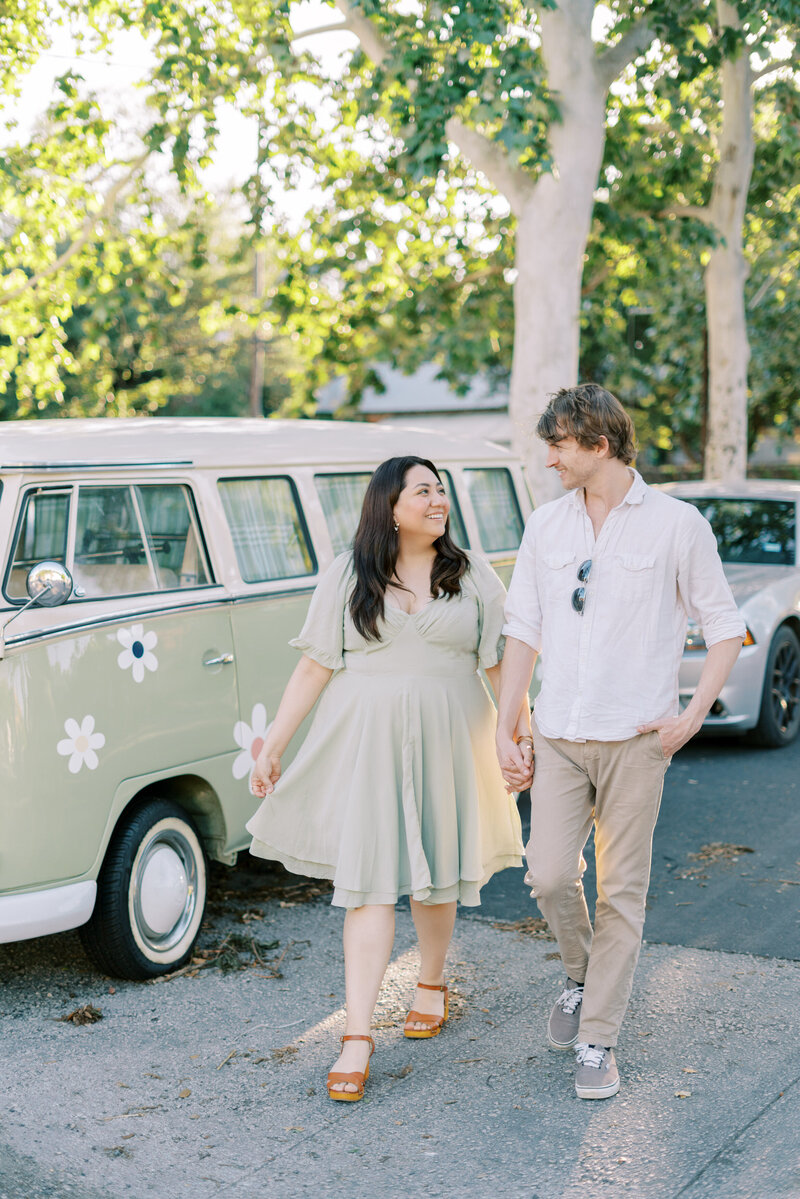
(618, 784)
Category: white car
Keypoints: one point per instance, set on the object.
(755, 523)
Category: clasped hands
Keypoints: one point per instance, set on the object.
(515, 755)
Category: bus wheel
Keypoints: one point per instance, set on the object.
(151, 895)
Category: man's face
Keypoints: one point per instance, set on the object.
(574, 463)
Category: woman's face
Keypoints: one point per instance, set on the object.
(422, 506)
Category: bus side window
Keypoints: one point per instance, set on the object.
(268, 529)
(497, 511)
(42, 534)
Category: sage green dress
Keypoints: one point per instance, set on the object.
(396, 789)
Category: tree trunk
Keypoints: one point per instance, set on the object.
(728, 348)
(554, 213)
(552, 231)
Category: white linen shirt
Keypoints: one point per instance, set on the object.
(615, 667)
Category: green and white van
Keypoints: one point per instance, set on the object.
(135, 690)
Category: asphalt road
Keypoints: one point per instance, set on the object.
(211, 1083)
(726, 854)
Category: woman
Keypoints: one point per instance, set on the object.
(396, 789)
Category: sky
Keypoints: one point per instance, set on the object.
(114, 74)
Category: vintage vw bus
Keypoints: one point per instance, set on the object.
(136, 687)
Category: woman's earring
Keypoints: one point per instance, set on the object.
(396, 527)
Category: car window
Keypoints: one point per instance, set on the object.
(41, 534)
(268, 529)
(172, 535)
(757, 532)
(341, 497)
(110, 554)
(457, 530)
(497, 512)
(134, 539)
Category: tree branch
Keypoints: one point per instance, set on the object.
(483, 153)
(769, 69)
(684, 211)
(773, 275)
(371, 41)
(83, 236)
(630, 46)
(333, 27)
(492, 161)
(597, 278)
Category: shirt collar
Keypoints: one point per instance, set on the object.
(634, 495)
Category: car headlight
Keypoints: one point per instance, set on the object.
(694, 638)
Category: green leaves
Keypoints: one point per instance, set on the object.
(119, 293)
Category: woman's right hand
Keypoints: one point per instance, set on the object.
(266, 773)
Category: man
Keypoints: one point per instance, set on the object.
(604, 582)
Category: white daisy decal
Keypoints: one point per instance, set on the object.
(80, 744)
(137, 653)
(250, 737)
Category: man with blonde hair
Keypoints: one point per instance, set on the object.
(605, 581)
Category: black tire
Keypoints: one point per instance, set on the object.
(779, 719)
(151, 895)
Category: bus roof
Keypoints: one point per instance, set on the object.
(226, 442)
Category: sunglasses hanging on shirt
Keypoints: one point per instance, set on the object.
(579, 594)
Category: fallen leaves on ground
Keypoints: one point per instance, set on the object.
(237, 951)
(706, 855)
(719, 851)
(530, 926)
(88, 1014)
(403, 1072)
(285, 1054)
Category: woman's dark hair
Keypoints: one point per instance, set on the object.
(376, 544)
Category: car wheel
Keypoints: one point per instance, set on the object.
(779, 719)
(151, 895)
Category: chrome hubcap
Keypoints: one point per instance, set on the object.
(164, 890)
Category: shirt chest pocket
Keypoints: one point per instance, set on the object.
(559, 575)
(634, 576)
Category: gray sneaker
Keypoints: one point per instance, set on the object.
(562, 1027)
(597, 1076)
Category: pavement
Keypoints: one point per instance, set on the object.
(212, 1083)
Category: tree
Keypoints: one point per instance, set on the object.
(695, 123)
(521, 90)
(437, 110)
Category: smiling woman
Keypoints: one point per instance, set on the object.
(396, 790)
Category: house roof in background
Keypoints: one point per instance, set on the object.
(421, 392)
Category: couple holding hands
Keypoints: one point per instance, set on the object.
(406, 782)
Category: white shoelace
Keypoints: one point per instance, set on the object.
(589, 1055)
(569, 999)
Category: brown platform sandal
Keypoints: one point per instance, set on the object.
(434, 1022)
(355, 1076)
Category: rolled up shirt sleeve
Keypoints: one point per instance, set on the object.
(705, 591)
(523, 610)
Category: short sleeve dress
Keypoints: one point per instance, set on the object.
(396, 789)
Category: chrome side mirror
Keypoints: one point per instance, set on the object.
(48, 584)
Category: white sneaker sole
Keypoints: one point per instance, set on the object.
(597, 1092)
(562, 1045)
